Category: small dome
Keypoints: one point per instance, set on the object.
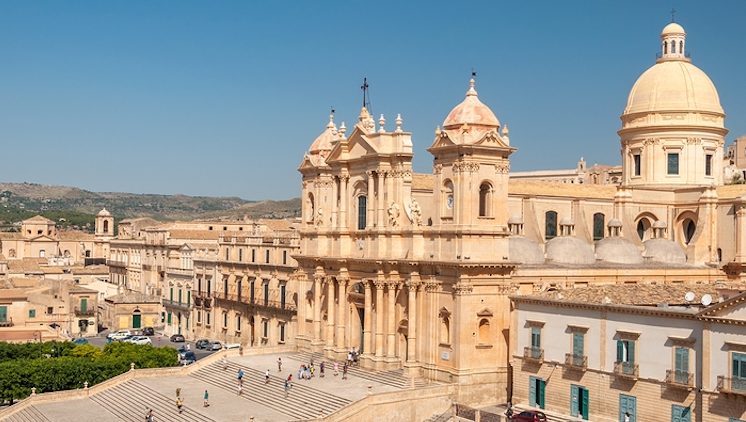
(614, 222)
(524, 250)
(515, 219)
(566, 221)
(673, 28)
(618, 250)
(659, 224)
(323, 143)
(471, 112)
(104, 213)
(664, 250)
(675, 85)
(570, 250)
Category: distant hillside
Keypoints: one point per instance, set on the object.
(21, 200)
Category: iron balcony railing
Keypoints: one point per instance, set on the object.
(679, 378)
(176, 304)
(7, 323)
(576, 361)
(732, 385)
(88, 312)
(257, 302)
(626, 369)
(533, 354)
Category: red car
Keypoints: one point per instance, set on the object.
(530, 416)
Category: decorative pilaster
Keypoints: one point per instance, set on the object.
(412, 286)
(368, 317)
(330, 310)
(341, 311)
(380, 284)
(317, 307)
(391, 319)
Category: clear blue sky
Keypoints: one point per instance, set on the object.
(223, 98)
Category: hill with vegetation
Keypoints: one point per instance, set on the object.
(76, 208)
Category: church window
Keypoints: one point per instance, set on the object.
(598, 226)
(643, 226)
(673, 47)
(362, 209)
(106, 226)
(550, 225)
(484, 331)
(42, 253)
(673, 163)
(681, 47)
(485, 200)
(720, 255)
(708, 165)
(638, 163)
(689, 227)
(665, 48)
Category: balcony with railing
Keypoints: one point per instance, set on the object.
(175, 304)
(629, 370)
(533, 354)
(113, 263)
(201, 299)
(87, 312)
(729, 385)
(259, 303)
(680, 379)
(6, 323)
(576, 361)
(179, 271)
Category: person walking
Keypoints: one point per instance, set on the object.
(287, 384)
(225, 363)
(313, 370)
(321, 370)
(149, 417)
(336, 368)
(344, 372)
(240, 387)
(279, 364)
(266, 377)
(239, 375)
(179, 405)
(206, 398)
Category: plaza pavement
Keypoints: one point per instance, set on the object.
(307, 399)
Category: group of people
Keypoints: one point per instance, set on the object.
(150, 414)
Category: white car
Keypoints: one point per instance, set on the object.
(139, 340)
(232, 345)
(119, 335)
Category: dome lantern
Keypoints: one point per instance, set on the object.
(673, 43)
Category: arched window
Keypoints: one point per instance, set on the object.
(448, 199)
(689, 228)
(106, 226)
(550, 225)
(484, 331)
(643, 228)
(485, 200)
(720, 255)
(681, 47)
(598, 226)
(362, 209)
(673, 47)
(311, 208)
(665, 48)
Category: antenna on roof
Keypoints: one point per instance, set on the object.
(706, 300)
(673, 15)
(689, 296)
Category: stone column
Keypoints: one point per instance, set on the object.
(412, 320)
(367, 318)
(380, 218)
(335, 204)
(330, 311)
(343, 200)
(317, 307)
(379, 316)
(740, 233)
(371, 204)
(341, 311)
(391, 320)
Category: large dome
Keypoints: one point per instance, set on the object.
(471, 112)
(674, 85)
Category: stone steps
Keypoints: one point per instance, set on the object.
(394, 378)
(303, 402)
(130, 401)
(29, 414)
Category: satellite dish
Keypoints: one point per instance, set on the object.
(689, 296)
(706, 300)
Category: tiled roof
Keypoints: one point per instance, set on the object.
(91, 269)
(26, 265)
(38, 219)
(423, 181)
(75, 235)
(133, 297)
(631, 294)
(194, 234)
(278, 224)
(10, 236)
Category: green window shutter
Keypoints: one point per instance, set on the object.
(169, 318)
(542, 392)
(83, 304)
(189, 298)
(631, 351)
(682, 360)
(179, 296)
(574, 400)
(578, 344)
(532, 391)
(32, 313)
(585, 405)
(171, 297)
(3, 313)
(739, 365)
(535, 337)
(619, 350)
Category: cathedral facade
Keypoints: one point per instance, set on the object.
(415, 270)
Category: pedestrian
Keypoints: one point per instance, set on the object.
(225, 363)
(321, 370)
(206, 398)
(179, 404)
(279, 364)
(239, 375)
(344, 372)
(287, 385)
(509, 410)
(188, 347)
(240, 388)
(178, 392)
(149, 417)
(313, 370)
(300, 372)
(266, 377)
(336, 368)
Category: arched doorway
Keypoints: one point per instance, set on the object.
(136, 318)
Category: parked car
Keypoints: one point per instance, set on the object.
(187, 358)
(202, 344)
(119, 335)
(148, 331)
(80, 341)
(137, 333)
(177, 338)
(215, 345)
(139, 340)
(530, 416)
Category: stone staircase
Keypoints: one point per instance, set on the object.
(130, 400)
(29, 414)
(395, 378)
(303, 402)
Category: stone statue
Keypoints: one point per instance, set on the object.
(393, 214)
(319, 217)
(416, 212)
